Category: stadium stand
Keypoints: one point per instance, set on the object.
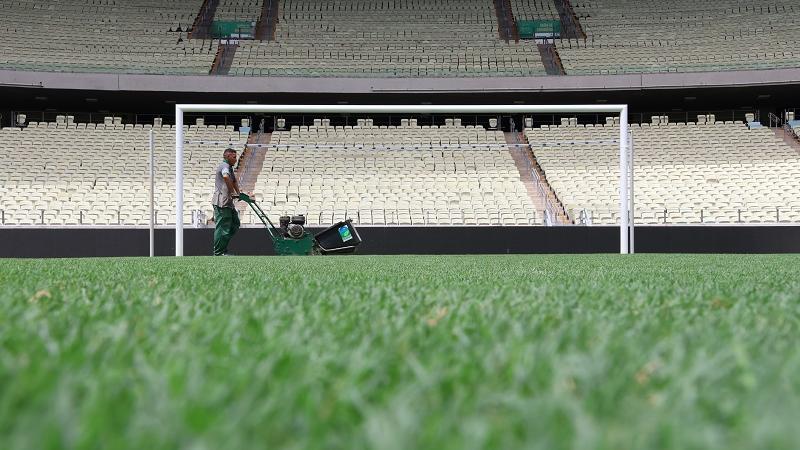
(94, 175)
(413, 38)
(406, 175)
(705, 172)
(97, 174)
(148, 36)
(238, 10)
(682, 36)
(534, 9)
(684, 172)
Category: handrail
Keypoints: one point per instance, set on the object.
(657, 216)
(546, 200)
(661, 216)
(260, 132)
(774, 119)
(525, 149)
(549, 207)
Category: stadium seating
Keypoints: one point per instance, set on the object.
(794, 125)
(90, 36)
(238, 10)
(71, 174)
(684, 173)
(534, 9)
(407, 175)
(413, 38)
(682, 36)
(97, 175)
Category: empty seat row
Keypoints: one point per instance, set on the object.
(687, 173)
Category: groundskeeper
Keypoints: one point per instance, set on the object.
(226, 189)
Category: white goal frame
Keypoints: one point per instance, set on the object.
(625, 174)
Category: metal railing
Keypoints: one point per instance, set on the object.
(783, 215)
(694, 216)
(524, 150)
(549, 211)
(774, 121)
(86, 217)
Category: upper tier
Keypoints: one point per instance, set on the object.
(401, 39)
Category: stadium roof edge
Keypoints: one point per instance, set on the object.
(225, 84)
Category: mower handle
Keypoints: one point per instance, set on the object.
(271, 229)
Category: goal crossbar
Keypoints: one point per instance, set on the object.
(625, 225)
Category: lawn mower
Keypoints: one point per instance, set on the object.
(291, 238)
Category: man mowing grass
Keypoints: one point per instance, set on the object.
(226, 188)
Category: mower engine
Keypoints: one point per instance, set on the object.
(293, 227)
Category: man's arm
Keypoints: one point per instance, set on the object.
(238, 190)
(233, 187)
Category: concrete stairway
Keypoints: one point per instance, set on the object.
(248, 165)
(268, 21)
(570, 24)
(533, 178)
(527, 179)
(224, 58)
(252, 161)
(506, 23)
(551, 59)
(788, 138)
(201, 28)
(528, 163)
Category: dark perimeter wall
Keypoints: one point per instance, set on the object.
(86, 242)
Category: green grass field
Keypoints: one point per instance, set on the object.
(550, 352)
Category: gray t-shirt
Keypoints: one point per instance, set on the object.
(222, 196)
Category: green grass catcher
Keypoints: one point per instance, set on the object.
(291, 238)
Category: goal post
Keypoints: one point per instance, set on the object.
(625, 164)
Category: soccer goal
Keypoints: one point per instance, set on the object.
(625, 144)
